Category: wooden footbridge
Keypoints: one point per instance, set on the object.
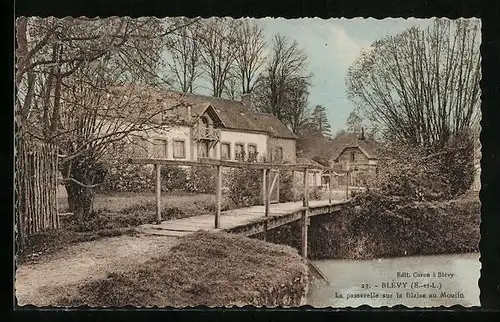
(250, 220)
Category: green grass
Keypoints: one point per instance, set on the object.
(120, 201)
(212, 269)
(114, 215)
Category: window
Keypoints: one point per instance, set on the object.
(203, 149)
(252, 152)
(225, 151)
(278, 154)
(353, 156)
(179, 149)
(160, 148)
(240, 151)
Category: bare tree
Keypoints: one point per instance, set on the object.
(217, 51)
(250, 45)
(421, 86)
(298, 106)
(66, 68)
(231, 86)
(285, 68)
(184, 49)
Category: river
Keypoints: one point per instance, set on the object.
(409, 281)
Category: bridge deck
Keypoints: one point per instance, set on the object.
(247, 221)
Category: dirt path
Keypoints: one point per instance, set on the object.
(58, 275)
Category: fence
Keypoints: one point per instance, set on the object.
(36, 188)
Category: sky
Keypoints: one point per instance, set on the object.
(332, 45)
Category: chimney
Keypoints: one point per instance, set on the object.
(246, 99)
(362, 133)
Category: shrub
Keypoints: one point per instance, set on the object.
(173, 178)
(427, 173)
(457, 163)
(202, 179)
(316, 193)
(124, 177)
(376, 225)
(287, 192)
(244, 187)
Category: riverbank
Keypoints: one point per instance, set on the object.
(376, 226)
(211, 269)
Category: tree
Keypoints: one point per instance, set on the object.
(250, 45)
(297, 105)
(70, 78)
(284, 72)
(184, 50)
(231, 86)
(421, 86)
(354, 123)
(319, 121)
(217, 51)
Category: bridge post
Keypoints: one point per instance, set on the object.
(305, 213)
(330, 188)
(267, 191)
(158, 193)
(347, 185)
(263, 188)
(218, 196)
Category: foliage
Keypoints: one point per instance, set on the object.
(124, 177)
(427, 173)
(377, 226)
(244, 195)
(201, 179)
(287, 191)
(173, 178)
(354, 123)
(318, 122)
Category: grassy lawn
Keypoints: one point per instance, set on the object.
(133, 209)
(121, 201)
(212, 269)
(114, 215)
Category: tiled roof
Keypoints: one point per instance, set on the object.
(235, 115)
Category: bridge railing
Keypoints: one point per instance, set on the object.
(266, 182)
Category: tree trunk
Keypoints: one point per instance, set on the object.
(80, 198)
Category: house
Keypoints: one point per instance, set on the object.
(357, 155)
(217, 128)
(316, 178)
